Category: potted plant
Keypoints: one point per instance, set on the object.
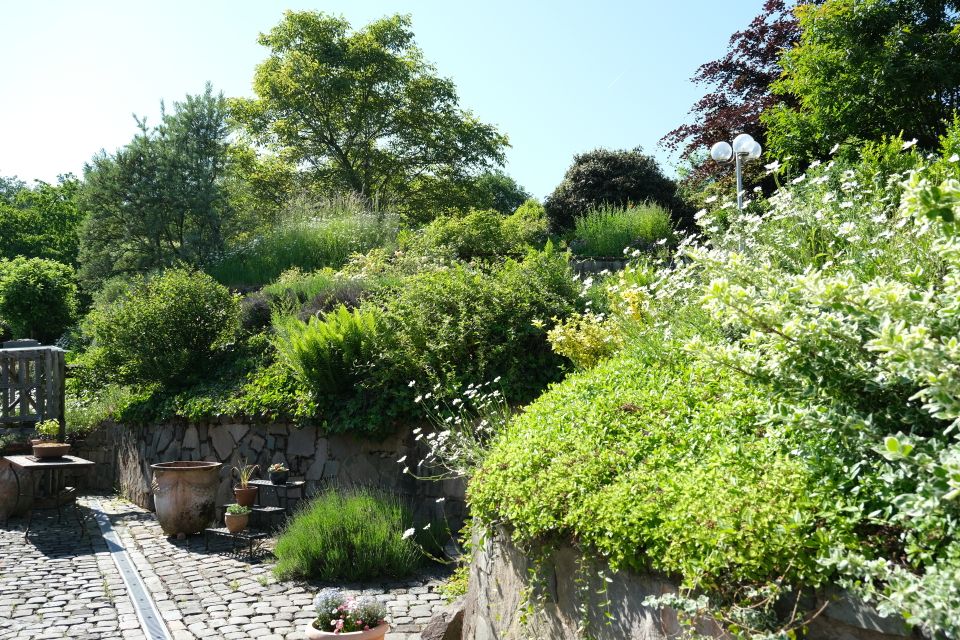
(341, 617)
(236, 518)
(245, 494)
(278, 473)
(46, 446)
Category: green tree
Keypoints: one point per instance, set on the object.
(865, 69)
(161, 199)
(38, 298)
(362, 108)
(41, 221)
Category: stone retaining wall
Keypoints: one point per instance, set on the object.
(503, 603)
(124, 454)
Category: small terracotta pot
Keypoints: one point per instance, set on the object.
(236, 522)
(372, 634)
(246, 497)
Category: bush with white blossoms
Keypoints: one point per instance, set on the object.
(338, 613)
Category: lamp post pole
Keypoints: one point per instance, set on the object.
(744, 148)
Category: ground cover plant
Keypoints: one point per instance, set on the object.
(348, 534)
(782, 412)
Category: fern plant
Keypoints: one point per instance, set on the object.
(324, 351)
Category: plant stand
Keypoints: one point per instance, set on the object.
(246, 537)
(281, 492)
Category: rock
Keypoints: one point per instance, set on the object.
(447, 624)
(191, 439)
(222, 442)
(238, 431)
(315, 472)
(302, 442)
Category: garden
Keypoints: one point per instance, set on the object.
(424, 403)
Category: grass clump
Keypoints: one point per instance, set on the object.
(353, 534)
(308, 243)
(611, 231)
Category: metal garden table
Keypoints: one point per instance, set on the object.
(52, 468)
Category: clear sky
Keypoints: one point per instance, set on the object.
(558, 77)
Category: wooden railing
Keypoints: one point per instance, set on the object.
(32, 385)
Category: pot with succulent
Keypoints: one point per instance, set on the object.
(245, 494)
(236, 518)
(46, 445)
(339, 616)
(278, 473)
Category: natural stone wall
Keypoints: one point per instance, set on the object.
(124, 454)
(504, 603)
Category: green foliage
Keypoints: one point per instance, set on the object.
(585, 339)
(614, 231)
(362, 108)
(322, 236)
(429, 196)
(785, 411)
(325, 352)
(617, 178)
(863, 70)
(38, 298)
(42, 221)
(462, 325)
(348, 535)
(485, 235)
(166, 329)
(655, 464)
(160, 200)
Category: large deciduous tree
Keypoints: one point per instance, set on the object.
(160, 200)
(865, 69)
(740, 88)
(42, 221)
(363, 109)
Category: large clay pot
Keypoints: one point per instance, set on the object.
(371, 634)
(185, 495)
(10, 503)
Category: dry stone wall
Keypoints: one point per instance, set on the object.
(567, 600)
(124, 454)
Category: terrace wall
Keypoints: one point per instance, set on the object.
(124, 454)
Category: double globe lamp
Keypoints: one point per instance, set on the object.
(744, 148)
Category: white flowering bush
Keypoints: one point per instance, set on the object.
(339, 613)
(830, 315)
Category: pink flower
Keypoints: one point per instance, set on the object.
(366, 627)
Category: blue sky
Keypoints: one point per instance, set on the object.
(558, 77)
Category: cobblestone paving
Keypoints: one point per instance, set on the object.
(60, 586)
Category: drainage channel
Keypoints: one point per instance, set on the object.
(150, 620)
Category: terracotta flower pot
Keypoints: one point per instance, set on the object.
(185, 495)
(246, 497)
(236, 522)
(50, 450)
(371, 634)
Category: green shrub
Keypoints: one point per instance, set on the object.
(465, 325)
(165, 329)
(309, 244)
(616, 178)
(527, 226)
(612, 231)
(321, 290)
(350, 535)
(653, 463)
(325, 352)
(38, 298)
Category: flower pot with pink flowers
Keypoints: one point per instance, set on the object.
(341, 616)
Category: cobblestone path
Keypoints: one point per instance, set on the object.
(59, 585)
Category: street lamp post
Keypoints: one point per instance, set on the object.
(744, 148)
